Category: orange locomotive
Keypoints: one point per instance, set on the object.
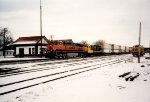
(64, 49)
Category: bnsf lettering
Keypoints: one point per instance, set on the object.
(71, 47)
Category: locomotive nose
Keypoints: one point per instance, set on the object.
(50, 47)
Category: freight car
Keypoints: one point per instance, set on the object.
(123, 49)
(116, 49)
(127, 50)
(138, 49)
(101, 49)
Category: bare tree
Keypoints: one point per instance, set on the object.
(84, 43)
(99, 42)
(8, 37)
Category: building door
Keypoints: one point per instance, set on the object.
(21, 52)
(36, 49)
(29, 51)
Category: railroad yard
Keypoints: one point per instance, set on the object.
(74, 51)
(115, 78)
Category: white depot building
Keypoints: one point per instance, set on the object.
(30, 46)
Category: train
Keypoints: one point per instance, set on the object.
(67, 48)
(136, 49)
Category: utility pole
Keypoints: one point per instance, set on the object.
(139, 43)
(5, 30)
(41, 27)
(51, 37)
(149, 50)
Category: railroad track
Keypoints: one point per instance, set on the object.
(42, 60)
(7, 88)
(8, 62)
(6, 71)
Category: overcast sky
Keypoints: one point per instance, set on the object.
(115, 21)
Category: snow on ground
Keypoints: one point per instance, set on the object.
(100, 85)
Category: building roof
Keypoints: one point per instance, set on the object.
(29, 40)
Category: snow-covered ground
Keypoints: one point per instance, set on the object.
(111, 83)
